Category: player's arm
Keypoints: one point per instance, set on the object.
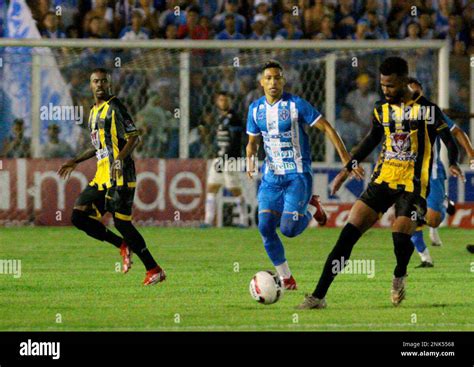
(251, 151)
(66, 169)
(464, 141)
(127, 130)
(365, 147)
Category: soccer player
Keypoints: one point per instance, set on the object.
(285, 194)
(436, 208)
(409, 124)
(228, 137)
(114, 137)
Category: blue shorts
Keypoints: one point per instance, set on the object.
(285, 193)
(435, 199)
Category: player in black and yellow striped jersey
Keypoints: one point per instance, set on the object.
(114, 136)
(408, 124)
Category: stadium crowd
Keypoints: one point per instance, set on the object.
(149, 84)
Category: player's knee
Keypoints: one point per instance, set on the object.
(289, 228)
(123, 226)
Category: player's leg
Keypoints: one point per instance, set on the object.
(86, 213)
(363, 215)
(409, 208)
(296, 215)
(241, 206)
(436, 209)
(215, 180)
(270, 205)
(119, 202)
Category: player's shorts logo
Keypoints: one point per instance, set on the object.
(284, 114)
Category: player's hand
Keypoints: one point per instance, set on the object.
(66, 169)
(358, 173)
(339, 180)
(455, 171)
(116, 169)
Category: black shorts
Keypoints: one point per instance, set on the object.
(115, 200)
(380, 198)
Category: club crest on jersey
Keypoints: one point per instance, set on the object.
(401, 142)
(261, 115)
(284, 114)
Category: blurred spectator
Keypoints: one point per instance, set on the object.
(159, 130)
(361, 32)
(135, 31)
(192, 29)
(102, 12)
(426, 27)
(376, 26)
(314, 17)
(258, 29)
(51, 26)
(326, 30)
(292, 7)
(55, 148)
(231, 7)
(17, 145)
(172, 15)
(171, 32)
(289, 30)
(413, 32)
(362, 100)
(349, 127)
(230, 32)
(209, 8)
(72, 32)
(442, 17)
(345, 19)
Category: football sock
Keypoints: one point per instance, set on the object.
(403, 248)
(341, 252)
(434, 236)
(242, 210)
(418, 241)
(210, 208)
(94, 228)
(135, 241)
(292, 225)
(426, 256)
(267, 224)
(283, 270)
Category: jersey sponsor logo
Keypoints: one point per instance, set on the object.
(401, 145)
(102, 154)
(95, 139)
(284, 114)
(281, 167)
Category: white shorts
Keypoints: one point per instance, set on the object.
(228, 179)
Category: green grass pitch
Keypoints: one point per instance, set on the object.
(68, 277)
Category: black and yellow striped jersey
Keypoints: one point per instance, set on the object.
(409, 132)
(110, 126)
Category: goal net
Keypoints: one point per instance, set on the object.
(169, 89)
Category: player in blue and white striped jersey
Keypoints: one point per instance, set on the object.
(285, 196)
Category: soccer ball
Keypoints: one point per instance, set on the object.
(265, 287)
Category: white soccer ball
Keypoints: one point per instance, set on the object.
(265, 287)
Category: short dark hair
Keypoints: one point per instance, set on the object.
(100, 70)
(270, 64)
(394, 65)
(223, 93)
(412, 80)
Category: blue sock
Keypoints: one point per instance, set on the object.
(267, 225)
(418, 241)
(443, 214)
(290, 227)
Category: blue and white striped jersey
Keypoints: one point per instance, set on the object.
(438, 171)
(282, 128)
